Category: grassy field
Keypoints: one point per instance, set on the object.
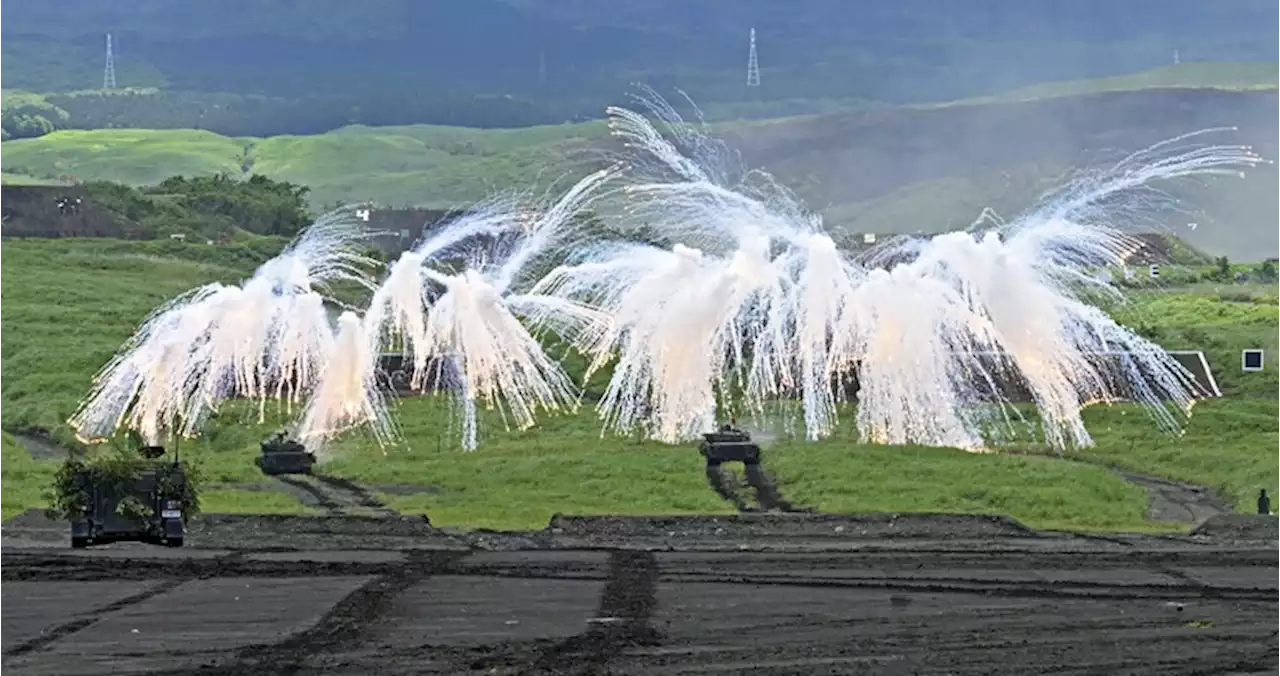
(423, 165)
(20, 179)
(68, 304)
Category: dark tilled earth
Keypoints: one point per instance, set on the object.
(758, 594)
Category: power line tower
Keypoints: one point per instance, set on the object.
(542, 68)
(109, 73)
(753, 66)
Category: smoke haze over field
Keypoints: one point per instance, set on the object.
(906, 170)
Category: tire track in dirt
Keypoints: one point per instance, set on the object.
(61, 631)
(971, 609)
(960, 585)
(343, 627)
(1171, 501)
(333, 495)
(622, 620)
(1168, 501)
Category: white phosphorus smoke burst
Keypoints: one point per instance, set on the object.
(266, 338)
(347, 395)
(469, 321)
(1029, 282)
(754, 293)
(720, 292)
(744, 300)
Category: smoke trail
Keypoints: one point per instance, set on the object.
(915, 345)
(749, 302)
(146, 386)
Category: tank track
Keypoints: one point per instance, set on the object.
(727, 485)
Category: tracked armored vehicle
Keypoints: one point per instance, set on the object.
(730, 444)
(282, 455)
(146, 506)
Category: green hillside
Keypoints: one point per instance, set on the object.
(886, 170)
(1209, 75)
(423, 165)
(420, 165)
(133, 156)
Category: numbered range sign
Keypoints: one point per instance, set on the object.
(1154, 271)
(1251, 360)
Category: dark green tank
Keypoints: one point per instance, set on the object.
(282, 455)
(730, 444)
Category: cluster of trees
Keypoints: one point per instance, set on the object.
(236, 115)
(1224, 272)
(1221, 271)
(30, 117)
(209, 207)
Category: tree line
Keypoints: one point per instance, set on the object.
(261, 116)
(31, 116)
(208, 207)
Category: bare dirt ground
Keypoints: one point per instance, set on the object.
(1171, 501)
(759, 594)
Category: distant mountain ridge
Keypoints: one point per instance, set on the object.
(907, 51)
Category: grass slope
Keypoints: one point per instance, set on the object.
(882, 170)
(133, 156)
(68, 304)
(429, 166)
(424, 165)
